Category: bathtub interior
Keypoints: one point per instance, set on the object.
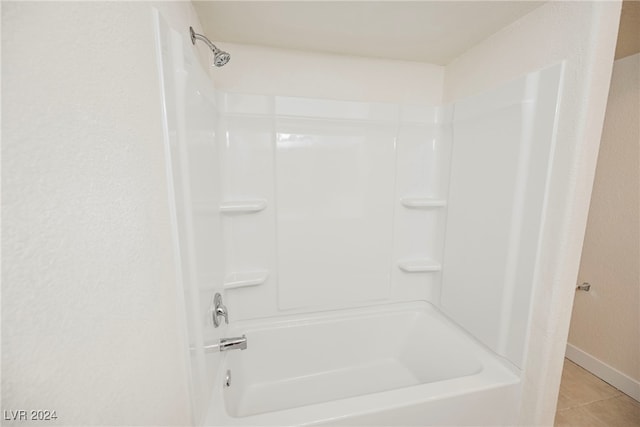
(302, 212)
(330, 356)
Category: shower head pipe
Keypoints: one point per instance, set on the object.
(220, 57)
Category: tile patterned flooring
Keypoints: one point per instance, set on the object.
(587, 401)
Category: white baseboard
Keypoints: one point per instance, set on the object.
(621, 381)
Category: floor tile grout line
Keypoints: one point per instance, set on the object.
(589, 403)
(595, 415)
(591, 408)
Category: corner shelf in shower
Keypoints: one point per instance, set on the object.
(419, 265)
(422, 202)
(243, 206)
(245, 279)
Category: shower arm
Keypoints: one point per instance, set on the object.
(195, 36)
(220, 57)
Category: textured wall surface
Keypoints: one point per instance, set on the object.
(284, 72)
(606, 321)
(582, 34)
(90, 326)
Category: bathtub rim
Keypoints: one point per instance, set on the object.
(373, 310)
(496, 372)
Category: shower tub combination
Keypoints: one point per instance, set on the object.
(339, 237)
(400, 365)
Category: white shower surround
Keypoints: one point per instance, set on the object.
(329, 205)
(323, 172)
(314, 166)
(250, 206)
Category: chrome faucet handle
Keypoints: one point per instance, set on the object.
(219, 310)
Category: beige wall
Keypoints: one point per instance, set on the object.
(629, 33)
(287, 72)
(606, 321)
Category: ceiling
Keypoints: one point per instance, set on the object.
(428, 31)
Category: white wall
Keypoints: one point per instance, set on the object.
(270, 71)
(605, 324)
(582, 34)
(90, 326)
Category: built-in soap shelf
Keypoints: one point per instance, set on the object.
(245, 279)
(243, 206)
(422, 202)
(419, 265)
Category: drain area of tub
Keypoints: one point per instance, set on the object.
(372, 377)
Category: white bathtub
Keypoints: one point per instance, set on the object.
(404, 364)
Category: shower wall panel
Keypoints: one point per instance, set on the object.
(246, 132)
(191, 149)
(335, 209)
(337, 204)
(422, 157)
(502, 148)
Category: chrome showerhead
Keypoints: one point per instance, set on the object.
(220, 57)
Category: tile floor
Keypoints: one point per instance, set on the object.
(587, 401)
